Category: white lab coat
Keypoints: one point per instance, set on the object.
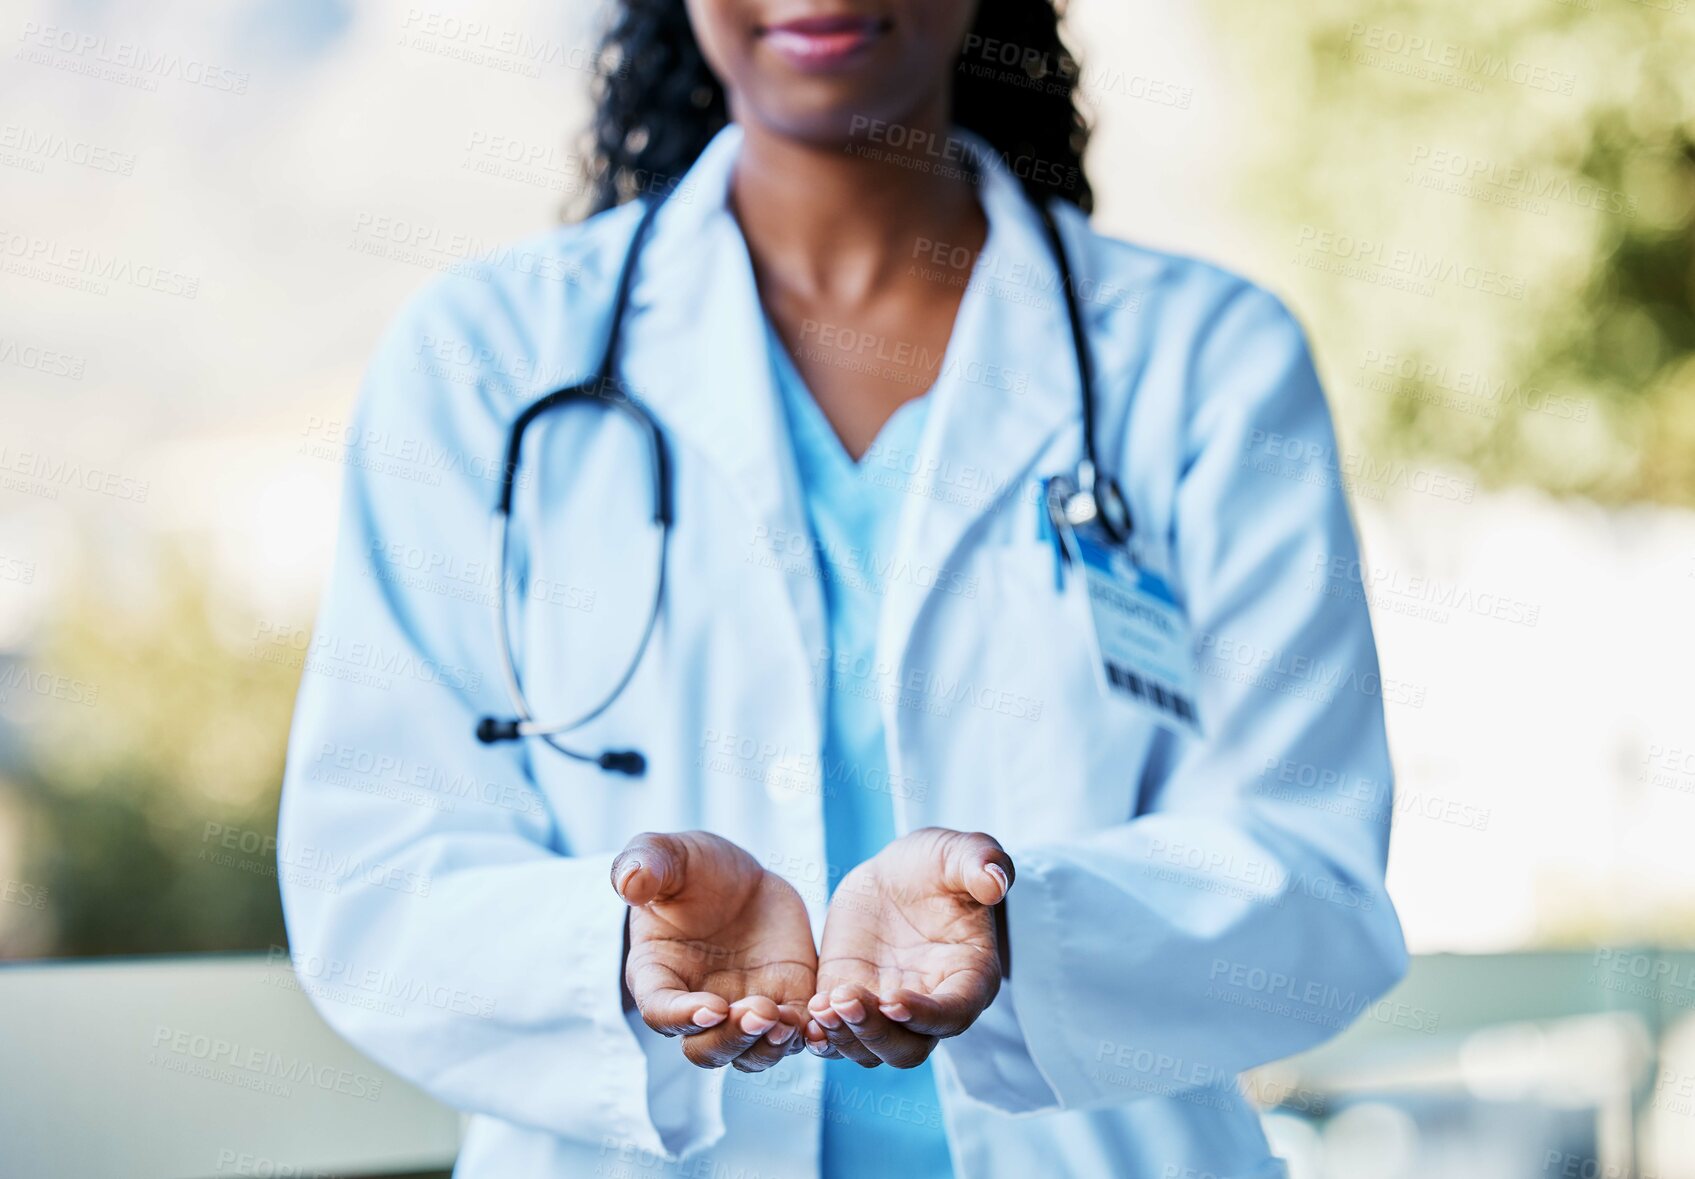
(1184, 909)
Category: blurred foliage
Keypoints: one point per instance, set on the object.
(1528, 167)
(151, 816)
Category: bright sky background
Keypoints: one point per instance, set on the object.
(355, 112)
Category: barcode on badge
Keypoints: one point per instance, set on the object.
(1166, 699)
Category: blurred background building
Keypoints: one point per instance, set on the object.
(1483, 214)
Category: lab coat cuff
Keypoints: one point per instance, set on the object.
(1013, 1059)
(652, 1099)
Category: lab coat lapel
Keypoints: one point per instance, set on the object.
(698, 355)
(1009, 384)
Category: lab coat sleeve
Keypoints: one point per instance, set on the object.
(432, 914)
(1241, 916)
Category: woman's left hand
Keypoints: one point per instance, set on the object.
(910, 951)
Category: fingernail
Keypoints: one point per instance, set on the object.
(630, 869)
(999, 874)
(781, 1033)
(757, 1025)
(853, 1010)
(896, 1012)
(828, 1018)
(819, 1048)
(708, 1018)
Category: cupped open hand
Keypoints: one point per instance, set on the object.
(911, 950)
(720, 949)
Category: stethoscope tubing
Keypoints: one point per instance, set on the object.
(1097, 498)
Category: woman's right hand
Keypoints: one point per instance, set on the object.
(720, 950)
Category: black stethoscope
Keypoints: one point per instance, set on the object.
(1089, 497)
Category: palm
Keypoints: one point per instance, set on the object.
(893, 927)
(737, 930)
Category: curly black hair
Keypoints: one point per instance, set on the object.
(657, 104)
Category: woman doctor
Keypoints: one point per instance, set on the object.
(895, 847)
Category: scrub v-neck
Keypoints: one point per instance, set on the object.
(883, 1121)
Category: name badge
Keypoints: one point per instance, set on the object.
(1144, 649)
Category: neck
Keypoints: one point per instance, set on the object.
(842, 222)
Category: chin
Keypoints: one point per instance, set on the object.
(828, 116)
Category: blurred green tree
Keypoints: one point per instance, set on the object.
(152, 816)
(1485, 213)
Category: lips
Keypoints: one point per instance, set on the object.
(822, 42)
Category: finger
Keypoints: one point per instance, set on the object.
(948, 1011)
(846, 1045)
(787, 1038)
(768, 1049)
(838, 1034)
(818, 1041)
(649, 868)
(716, 1047)
(889, 1041)
(674, 1012)
(795, 1015)
(978, 865)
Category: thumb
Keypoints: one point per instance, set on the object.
(977, 865)
(650, 868)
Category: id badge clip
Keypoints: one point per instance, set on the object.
(1144, 649)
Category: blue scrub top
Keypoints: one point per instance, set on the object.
(883, 1121)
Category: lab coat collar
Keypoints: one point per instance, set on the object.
(1008, 381)
(1008, 375)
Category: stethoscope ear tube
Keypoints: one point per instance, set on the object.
(1098, 498)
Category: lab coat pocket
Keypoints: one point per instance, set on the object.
(1070, 759)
